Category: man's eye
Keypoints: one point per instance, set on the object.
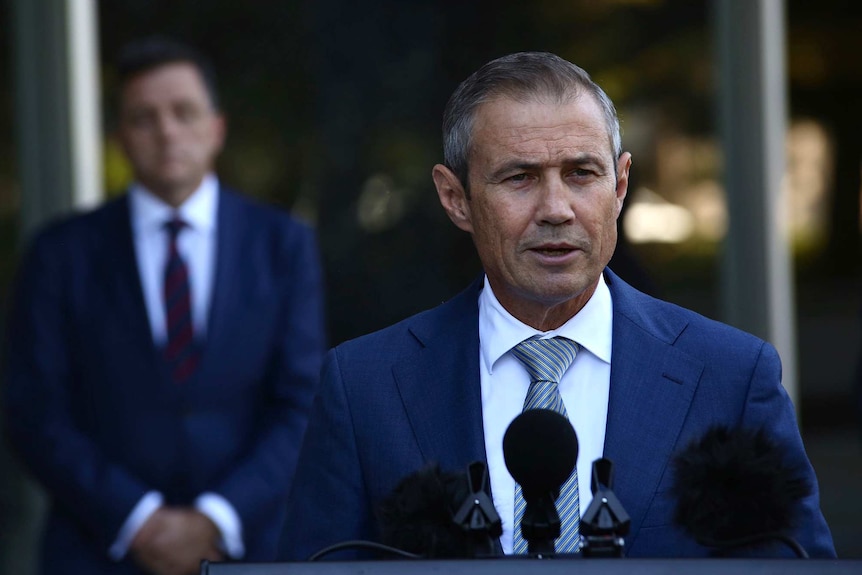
(140, 119)
(187, 113)
(518, 178)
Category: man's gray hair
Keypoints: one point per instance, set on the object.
(523, 76)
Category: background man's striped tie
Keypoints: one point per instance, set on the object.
(180, 352)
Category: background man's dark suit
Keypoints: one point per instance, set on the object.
(397, 399)
(94, 413)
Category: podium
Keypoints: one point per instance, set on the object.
(528, 566)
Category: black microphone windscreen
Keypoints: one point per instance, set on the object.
(418, 515)
(734, 484)
(541, 449)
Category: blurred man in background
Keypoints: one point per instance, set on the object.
(164, 349)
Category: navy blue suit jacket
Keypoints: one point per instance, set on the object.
(93, 412)
(394, 400)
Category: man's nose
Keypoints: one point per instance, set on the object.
(556, 202)
(168, 125)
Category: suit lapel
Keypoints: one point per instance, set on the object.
(440, 383)
(120, 272)
(652, 386)
(226, 282)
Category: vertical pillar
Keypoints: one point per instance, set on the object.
(757, 288)
(58, 107)
(85, 103)
(58, 136)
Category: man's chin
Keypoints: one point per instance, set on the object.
(173, 189)
(561, 291)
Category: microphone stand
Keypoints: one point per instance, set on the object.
(605, 523)
(477, 515)
(540, 525)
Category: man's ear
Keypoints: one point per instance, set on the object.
(219, 130)
(624, 164)
(452, 197)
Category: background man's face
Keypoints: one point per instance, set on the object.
(169, 129)
(544, 202)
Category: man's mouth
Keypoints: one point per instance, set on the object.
(553, 251)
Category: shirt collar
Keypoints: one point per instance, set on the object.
(150, 212)
(500, 331)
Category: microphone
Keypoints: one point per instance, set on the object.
(439, 514)
(736, 490)
(540, 448)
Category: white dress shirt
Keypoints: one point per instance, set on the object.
(584, 387)
(197, 246)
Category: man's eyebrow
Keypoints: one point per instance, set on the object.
(512, 166)
(584, 158)
(522, 165)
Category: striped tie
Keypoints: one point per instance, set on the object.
(546, 360)
(180, 352)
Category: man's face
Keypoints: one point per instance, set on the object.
(543, 206)
(170, 130)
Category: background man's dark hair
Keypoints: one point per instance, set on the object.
(154, 51)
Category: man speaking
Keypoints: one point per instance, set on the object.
(534, 170)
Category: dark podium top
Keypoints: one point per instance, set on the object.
(523, 566)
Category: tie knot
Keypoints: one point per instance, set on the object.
(174, 226)
(546, 359)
